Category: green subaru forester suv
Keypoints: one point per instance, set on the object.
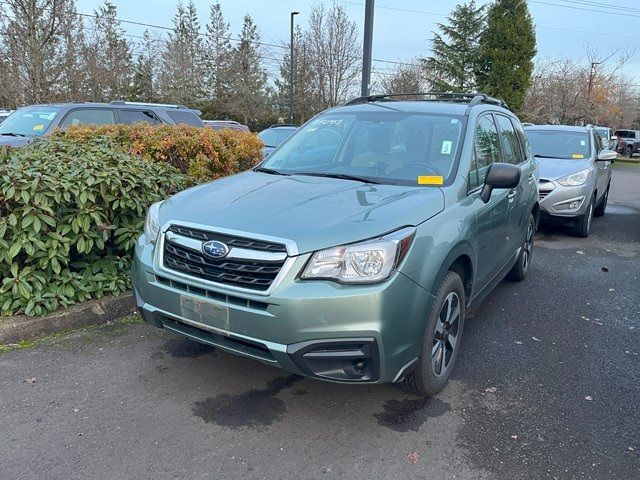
(352, 253)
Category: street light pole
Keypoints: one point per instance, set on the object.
(366, 49)
(291, 71)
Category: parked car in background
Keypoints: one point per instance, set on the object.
(4, 114)
(273, 136)
(222, 124)
(353, 252)
(628, 142)
(35, 121)
(607, 136)
(575, 174)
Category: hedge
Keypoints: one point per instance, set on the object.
(202, 153)
(70, 213)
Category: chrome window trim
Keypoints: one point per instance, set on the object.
(292, 251)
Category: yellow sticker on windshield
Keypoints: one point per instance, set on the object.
(577, 155)
(37, 128)
(430, 180)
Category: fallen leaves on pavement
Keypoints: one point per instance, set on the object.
(413, 457)
(30, 380)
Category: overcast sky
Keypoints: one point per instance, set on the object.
(402, 28)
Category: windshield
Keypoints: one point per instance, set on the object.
(559, 144)
(29, 121)
(603, 132)
(272, 137)
(626, 134)
(384, 147)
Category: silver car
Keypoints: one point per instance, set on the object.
(575, 174)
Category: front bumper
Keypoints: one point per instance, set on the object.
(561, 203)
(355, 333)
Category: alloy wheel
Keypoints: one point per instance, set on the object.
(528, 247)
(445, 339)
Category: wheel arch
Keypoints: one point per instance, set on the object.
(460, 260)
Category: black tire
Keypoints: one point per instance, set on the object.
(583, 224)
(602, 206)
(521, 267)
(628, 151)
(423, 379)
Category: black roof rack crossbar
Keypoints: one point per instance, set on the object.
(472, 99)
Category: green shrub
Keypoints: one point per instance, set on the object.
(70, 213)
(203, 153)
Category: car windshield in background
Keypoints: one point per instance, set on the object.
(559, 144)
(381, 147)
(29, 121)
(603, 132)
(272, 137)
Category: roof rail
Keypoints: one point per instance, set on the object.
(472, 99)
(148, 104)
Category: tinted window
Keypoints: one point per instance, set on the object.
(138, 116)
(559, 144)
(626, 133)
(524, 141)
(30, 121)
(387, 146)
(598, 141)
(509, 141)
(487, 149)
(184, 117)
(90, 116)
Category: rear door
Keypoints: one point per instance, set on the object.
(128, 116)
(492, 246)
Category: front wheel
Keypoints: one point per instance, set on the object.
(441, 340)
(583, 224)
(521, 268)
(628, 152)
(599, 211)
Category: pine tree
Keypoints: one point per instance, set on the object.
(218, 59)
(507, 48)
(182, 79)
(452, 65)
(143, 78)
(248, 93)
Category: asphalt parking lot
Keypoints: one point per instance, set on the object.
(548, 386)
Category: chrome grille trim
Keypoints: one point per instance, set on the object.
(288, 260)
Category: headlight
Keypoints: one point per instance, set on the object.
(151, 226)
(367, 262)
(574, 179)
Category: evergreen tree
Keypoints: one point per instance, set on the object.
(218, 59)
(507, 48)
(182, 79)
(452, 65)
(143, 79)
(248, 93)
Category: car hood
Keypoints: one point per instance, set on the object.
(314, 212)
(10, 141)
(554, 168)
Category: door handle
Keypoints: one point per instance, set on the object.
(530, 177)
(511, 195)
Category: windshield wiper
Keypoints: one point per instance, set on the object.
(543, 156)
(270, 171)
(12, 134)
(342, 176)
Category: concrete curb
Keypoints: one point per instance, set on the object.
(628, 160)
(18, 328)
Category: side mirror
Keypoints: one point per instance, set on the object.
(606, 156)
(499, 175)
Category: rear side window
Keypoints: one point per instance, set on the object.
(598, 141)
(509, 141)
(128, 117)
(487, 150)
(184, 117)
(89, 116)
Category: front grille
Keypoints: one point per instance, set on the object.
(251, 274)
(230, 240)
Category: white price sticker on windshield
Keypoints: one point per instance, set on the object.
(446, 147)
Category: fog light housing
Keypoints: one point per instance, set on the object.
(345, 360)
(569, 205)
